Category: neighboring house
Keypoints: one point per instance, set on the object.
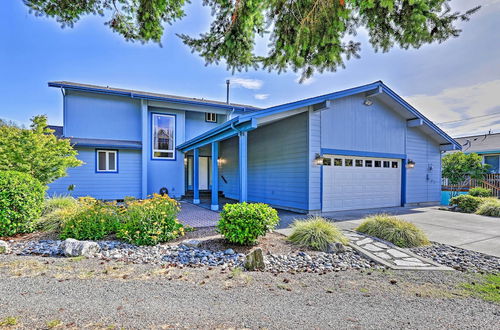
(486, 145)
(363, 147)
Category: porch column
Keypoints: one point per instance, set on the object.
(243, 164)
(196, 176)
(215, 176)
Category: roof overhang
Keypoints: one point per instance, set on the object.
(105, 143)
(142, 96)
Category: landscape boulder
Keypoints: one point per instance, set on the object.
(192, 243)
(335, 248)
(4, 247)
(74, 248)
(255, 260)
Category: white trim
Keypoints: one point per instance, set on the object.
(209, 118)
(153, 137)
(107, 169)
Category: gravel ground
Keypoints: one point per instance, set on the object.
(458, 258)
(98, 294)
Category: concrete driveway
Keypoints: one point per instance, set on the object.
(469, 231)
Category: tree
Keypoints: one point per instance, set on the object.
(305, 35)
(460, 168)
(36, 151)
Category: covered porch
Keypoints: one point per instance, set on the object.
(204, 164)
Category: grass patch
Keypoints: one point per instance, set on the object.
(400, 233)
(316, 233)
(53, 324)
(9, 321)
(489, 207)
(487, 289)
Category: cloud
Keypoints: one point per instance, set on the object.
(261, 96)
(247, 83)
(456, 103)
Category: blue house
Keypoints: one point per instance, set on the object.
(359, 148)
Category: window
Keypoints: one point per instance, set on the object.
(348, 162)
(337, 162)
(493, 162)
(107, 161)
(394, 164)
(163, 136)
(378, 163)
(368, 163)
(386, 164)
(211, 117)
(327, 161)
(359, 163)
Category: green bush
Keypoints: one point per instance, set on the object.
(489, 207)
(90, 219)
(316, 233)
(466, 203)
(150, 221)
(21, 200)
(244, 223)
(480, 192)
(398, 232)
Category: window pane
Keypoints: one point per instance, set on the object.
(164, 133)
(386, 164)
(394, 164)
(327, 161)
(378, 163)
(111, 161)
(337, 162)
(101, 161)
(368, 163)
(348, 162)
(359, 163)
(493, 162)
(161, 154)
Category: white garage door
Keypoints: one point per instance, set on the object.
(351, 183)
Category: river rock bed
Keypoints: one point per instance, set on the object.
(182, 255)
(459, 259)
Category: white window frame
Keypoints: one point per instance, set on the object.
(107, 152)
(210, 117)
(153, 150)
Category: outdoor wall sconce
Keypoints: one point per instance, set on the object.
(318, 160)
(185, 161)
(367, 102)
(410, 164)
(220, 161)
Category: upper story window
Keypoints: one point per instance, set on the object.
(107, 161)
(163, 136)
(211, 117)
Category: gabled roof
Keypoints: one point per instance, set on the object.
(485, 143)
(376, 88)
(150, 96)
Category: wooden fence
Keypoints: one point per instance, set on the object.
(490, 181)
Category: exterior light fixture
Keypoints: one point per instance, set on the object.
(185, 161)
(220, 161)
(410, 163)
(318, 160)
(367, 102)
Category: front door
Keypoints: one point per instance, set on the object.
(204, 172)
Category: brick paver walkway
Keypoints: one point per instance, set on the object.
(196, 216)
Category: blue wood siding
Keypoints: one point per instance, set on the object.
(278, 163)
(196, 124)
(315, 183)
(102, 117)
(424, 180)
(229, 170)
(127, 182)
(350, 125)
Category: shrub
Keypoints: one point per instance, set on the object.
(480, 192)
(150, 221)
(316, 233)
(90, 219)
(399, 232)
(56, 203)
(466, 203)
(489, 207)
(21, 200)
(244, 223)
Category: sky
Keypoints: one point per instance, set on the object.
(447, 82)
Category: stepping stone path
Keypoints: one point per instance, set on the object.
(390, 255)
